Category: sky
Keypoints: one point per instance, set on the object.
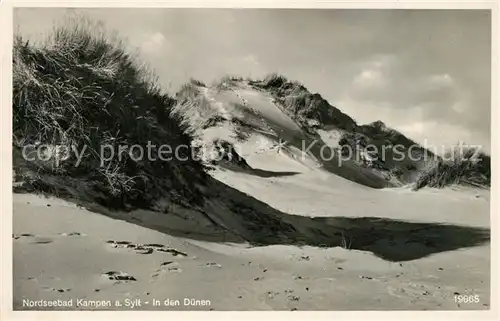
(426, 73)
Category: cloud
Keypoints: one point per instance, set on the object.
(416, 123)
(251, 59)
(373, 75)
(247, 65)
(154, 43)
(439, 136)
(444, 80)
(369, 78)
(423, 102)
(382, 81)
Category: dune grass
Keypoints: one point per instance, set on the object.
(193, 110)
(80, 91)
(458, 166)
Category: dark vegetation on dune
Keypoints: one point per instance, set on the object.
(80, 89)
(458, 166)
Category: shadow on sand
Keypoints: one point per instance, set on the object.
(239, 218)
(258, 172)
(394, 240)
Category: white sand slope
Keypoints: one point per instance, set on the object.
(261, 119)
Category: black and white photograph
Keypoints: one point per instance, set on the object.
(251, 159)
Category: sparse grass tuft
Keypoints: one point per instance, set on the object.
(345, 242)
(197, 82)
(458, 166)
(272, 81)
(193, 110)
(227, 82)
(79, 91)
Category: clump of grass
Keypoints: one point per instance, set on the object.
(272, 81)
(194, 111)
(197, 82)
(227, 83)
(345, 242)
(458, 166)
(224, 153)
(79, 91)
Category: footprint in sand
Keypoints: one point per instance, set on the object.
(73, 234)
(60, 290)
(167, 267)
(119, 276)
(174, 269)
(172, 251)
(145, 248)
(116, 244)
(18, 236)
(139, 249)
(154, 245)
(34, 239)
(212, 264)
(272, 294)
(168, 263)
(41, 240)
